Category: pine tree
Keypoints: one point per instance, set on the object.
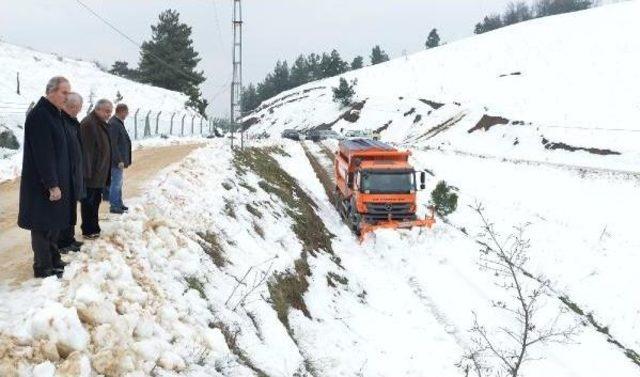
(119, 98)
(444, 199)
(300, 73)
(489, 23)
(315, 68)
(433, 40)
(333, 65)
(169, 60)
(250, 99)
(121, 68)
(357, 63)
(280, 77)
(345, 91)
(378, 56)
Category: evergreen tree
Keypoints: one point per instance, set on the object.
(250, 99)
(444, 199)
(333, 65)
(315, 68)
(119, 98)
(357, 63)
(489, 23)
(378, 56)
(280, 77)
(300, 73)
(121, 68)
(433, 40)
(345, 91)
(169, 60)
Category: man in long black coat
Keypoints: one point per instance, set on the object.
(70, 110)
(45, 186)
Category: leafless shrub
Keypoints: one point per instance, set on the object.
(502, 351)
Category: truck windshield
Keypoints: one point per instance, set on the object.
(385, 182)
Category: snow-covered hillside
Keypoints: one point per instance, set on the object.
(36, 68)
(546, 86)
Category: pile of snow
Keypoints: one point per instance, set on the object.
(36, 68)
(558, 82)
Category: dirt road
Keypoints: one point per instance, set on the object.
(15, 251)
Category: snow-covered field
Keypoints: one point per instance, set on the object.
(36, 68)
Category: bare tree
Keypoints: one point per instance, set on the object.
(503, 350)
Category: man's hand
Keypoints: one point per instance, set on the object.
(55, 194)
(120, 165)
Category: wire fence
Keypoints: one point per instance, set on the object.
(140, 124)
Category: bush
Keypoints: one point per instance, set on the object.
(444, 199)
(344, 93)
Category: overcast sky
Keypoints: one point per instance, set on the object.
(276, 29)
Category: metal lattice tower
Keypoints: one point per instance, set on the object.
(236, 84)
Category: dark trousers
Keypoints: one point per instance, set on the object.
(45, 250)
(68, 236)
(89, 208)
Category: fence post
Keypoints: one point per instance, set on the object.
(193, 118)
(182, 127)
(157, 121)
(201, 118)
(135, 124)
(171, 126)
(147, 126)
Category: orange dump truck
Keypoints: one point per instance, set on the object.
(376, 186)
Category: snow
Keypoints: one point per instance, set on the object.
(36, 68)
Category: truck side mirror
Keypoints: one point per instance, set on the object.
(423, 178)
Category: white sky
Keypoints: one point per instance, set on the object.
(276, 29)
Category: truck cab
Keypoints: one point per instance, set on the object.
(376, 186)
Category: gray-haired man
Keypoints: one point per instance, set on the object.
(70, 110)
(96, 146)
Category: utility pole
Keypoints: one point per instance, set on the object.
(236, 84)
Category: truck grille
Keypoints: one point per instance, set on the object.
(384, 211)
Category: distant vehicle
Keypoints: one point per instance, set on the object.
(362, 134)
(291, 134)
(317, 135)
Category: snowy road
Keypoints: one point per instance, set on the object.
(14, 242)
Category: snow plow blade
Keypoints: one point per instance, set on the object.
(366, 228)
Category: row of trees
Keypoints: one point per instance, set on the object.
(168, 61)
(304, 69)
(522, 11)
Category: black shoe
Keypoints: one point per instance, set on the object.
(92, 236)
(125, 208)
(118, 211)
(73, 247)
(77, 244)
(48, 272)
(60, 265)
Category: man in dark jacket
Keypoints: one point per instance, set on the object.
(70, 110)
(45, 185)
(121, 157)
(96, 147)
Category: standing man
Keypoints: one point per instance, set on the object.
(45, 185)
(70, 110)
(96, 147)
(121, 157)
